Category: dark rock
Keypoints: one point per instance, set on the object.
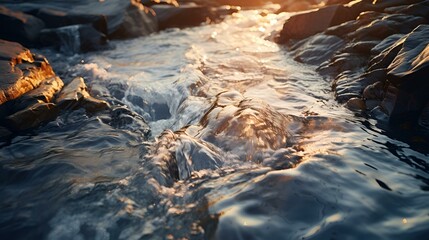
(114, 18)
(386, 43)
(412, 61)
(386, 26)
(75, 95)
(182, 16)
(383, 4)
(124, 118)
(74, 38)
(424, 117)
(356, 104)
(137, 21)
(306, 24)
(4, 134)
(317, 49)
(20, 70)
(55, 18)
(42, 94)
(32, 116)
(374, 91)
(343, 30)
(18, 26)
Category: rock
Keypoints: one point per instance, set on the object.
(74, 38)
(412, 61)
(4, 134)
(124, 118)
(317, 49)
(182, 16)
(386, 43)
(20, 70)
(76, 95)
(386, 26)
(56, 18)
(137, 21)
(19, 27)
(114, 18)
(356, 104)
(306, 24)
(42, 94)
(424, 117)
(32, 116)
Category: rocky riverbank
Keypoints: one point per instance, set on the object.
(375, 52)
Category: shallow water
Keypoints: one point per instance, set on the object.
(245, 143)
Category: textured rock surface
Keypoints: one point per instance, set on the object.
(18, 26)
(378, 60)
(182, 16)
(20, 70)
(76, 95)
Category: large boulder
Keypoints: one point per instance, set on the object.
(183, 16)
(306, 24)
(20, 70)
(18, 26)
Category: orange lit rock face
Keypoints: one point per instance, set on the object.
(20, 71)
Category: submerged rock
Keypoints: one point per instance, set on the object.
(234, 129)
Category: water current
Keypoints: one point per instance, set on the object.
(244, 143)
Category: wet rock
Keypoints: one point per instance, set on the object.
(18, 26)
(182, 16)
(317, 49)
(137, 21)
(124, 118)
(306, 24)
(32, 116)
(356, 104)
(418, 9)
(43, 94)
(73, 39)
(386, 26)
(424, 117)
(177, 155)
(374, 91)
(56, 18)
(114, 18)
(385, 44)
(4, 134)
(75, 95)
(411, 62)
(20, 70)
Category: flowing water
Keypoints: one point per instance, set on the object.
(244, 143)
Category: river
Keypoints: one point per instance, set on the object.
(245, 143)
